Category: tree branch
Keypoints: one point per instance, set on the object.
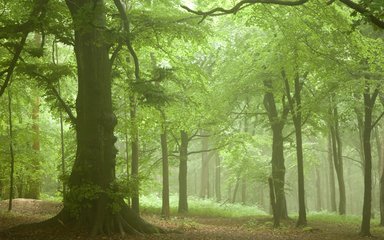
(365, 12)
(240, 5)
(67, 109)
(128, 43)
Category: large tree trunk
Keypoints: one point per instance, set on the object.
(92, 192)
(183, 171)
(369, 102)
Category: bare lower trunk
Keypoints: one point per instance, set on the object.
(218, 178)
(165, 211)
(183, 170)
(331, 176)
(135, 202)
(367, 205)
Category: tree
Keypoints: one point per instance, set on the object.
(94, 167)
(278, 168)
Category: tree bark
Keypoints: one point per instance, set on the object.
(331, 175)
(338, 159)
(369, 102)
(204, 190)
(278, 167)
(165, 210)
(93, 201)
(183, 170)
(34, 181)
(135, 181)
(318, 189)
(12, 154)
(295, 105)
(218, 178)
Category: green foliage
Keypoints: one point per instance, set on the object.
(199, 207)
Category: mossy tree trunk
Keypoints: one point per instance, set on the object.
(92, 202)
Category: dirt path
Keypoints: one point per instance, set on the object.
(255, 228)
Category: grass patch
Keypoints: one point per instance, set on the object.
(201, 207)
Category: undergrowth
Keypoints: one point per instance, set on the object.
(201, 207)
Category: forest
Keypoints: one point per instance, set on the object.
(191, 119)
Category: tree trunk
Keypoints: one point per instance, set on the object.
(204, 190)
(183, 170)
(165, 211)
(34, 181)
(218, 178)
(380, 149)
(235, 190)
(318, 189)
(278, 167)
(135, 181)
(62, 145)
(92, 201)
(369, 102)
(338, 159)
(12, 160)
(296, 108)
(243, 190)
(331, 175)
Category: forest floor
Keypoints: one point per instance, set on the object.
(195, 227)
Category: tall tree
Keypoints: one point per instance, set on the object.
(369, 102)
(338, 156)
(278, 168)
(296, 112)
(183, 171)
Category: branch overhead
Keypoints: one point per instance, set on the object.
(240, 5)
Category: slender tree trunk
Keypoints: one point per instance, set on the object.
(331, 175)
(204, 168)
(369, 102)
(243, 190)
(338, 159)
(183, 170)
(235, 190)
(62, 144)
(382, 198)
(12, 160)
(165, 211)
(318, 189)
(295, 104)
(218, 178)
(135, 181)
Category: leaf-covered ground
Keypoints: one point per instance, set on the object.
(321, 227)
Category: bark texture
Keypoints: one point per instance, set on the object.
(92, 201)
